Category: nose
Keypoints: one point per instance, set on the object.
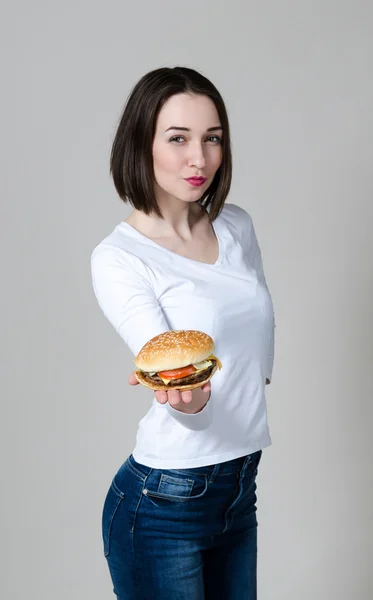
(196, 157)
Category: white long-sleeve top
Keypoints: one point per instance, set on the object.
(145, 289)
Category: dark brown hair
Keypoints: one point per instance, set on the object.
(131, 160)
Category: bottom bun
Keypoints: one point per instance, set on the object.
(182, 388)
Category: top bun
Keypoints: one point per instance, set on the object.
(174, 349)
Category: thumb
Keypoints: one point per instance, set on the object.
(132, 379)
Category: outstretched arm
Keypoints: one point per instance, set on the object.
(127, 299)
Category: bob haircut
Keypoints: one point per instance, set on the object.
(131, 160)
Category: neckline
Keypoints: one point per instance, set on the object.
(215, 228)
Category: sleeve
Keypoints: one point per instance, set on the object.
(258, 265)
(127, 299)
(251, 244)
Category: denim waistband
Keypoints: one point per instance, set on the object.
(236, 465)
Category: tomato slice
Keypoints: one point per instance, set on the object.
(177, 373)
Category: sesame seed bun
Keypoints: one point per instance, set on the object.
(174, 349)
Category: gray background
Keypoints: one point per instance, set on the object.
(297, 81)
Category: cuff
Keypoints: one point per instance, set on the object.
(197, 422)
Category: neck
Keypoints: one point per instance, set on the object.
(178, 220)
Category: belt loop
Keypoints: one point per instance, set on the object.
(245, 463)
(214, 473)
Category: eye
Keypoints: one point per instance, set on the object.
(215, 139)
(177, 137)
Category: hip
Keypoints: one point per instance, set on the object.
(193, 503)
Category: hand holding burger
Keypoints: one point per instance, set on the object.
(178, 366)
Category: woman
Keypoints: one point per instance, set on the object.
(179, 520)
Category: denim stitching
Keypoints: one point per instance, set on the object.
(110, 521)
(116, 489)
(137, 473)
(137, 508)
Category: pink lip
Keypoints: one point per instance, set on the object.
(197, 181)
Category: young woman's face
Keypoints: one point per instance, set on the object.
(187, 143)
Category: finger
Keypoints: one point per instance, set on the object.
(207, 387)
(161, 396)
(187, 396)
(132, 379)
(174, 397)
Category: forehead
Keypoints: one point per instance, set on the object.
(185, 110)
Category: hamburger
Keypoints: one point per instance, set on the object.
(177, 359)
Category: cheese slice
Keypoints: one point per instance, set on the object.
(220, 366)
(165, 381)
(202, 365)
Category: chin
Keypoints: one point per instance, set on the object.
(194, 194)
(190, 198)
(183, 195)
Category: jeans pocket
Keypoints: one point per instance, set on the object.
(175, 489)
(175, 486)
(112, 501)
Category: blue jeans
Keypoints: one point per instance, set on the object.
(183, 534)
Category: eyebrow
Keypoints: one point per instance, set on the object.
(186, 128)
